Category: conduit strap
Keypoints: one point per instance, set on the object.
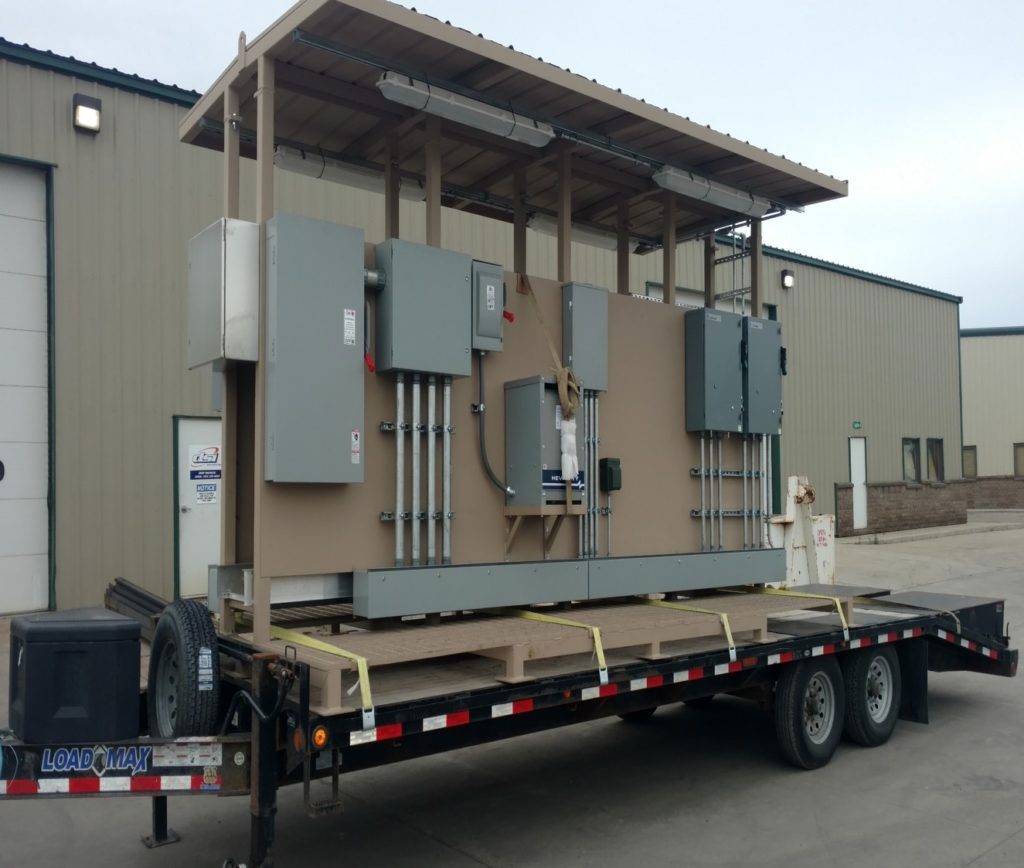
(781, 592)
(595, 634)
(362, 667)
(722, 616)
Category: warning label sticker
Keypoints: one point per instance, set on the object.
(206, 492)
(350, 327)
(357, 446)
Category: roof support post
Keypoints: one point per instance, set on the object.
(564, 242)
(432, 151)
(709, 270)
(755, 267)
(668, 248)
(622, 249)
(264, 211)
(519, 220)
(392, 181)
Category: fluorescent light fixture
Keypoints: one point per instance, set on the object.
(472, 113)
(788, 279)
(695, 187)
(548, 225)
(316, 165)
(85, 112)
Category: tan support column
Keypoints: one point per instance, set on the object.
(709, 270)
(519, 220)
(668, 248)
(433, 172)
(392, 182)
(264, 211)
(622, 250)
(564, 215)
(755, 267)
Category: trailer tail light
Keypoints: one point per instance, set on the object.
(320, 737)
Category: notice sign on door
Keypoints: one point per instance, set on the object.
(204, 468)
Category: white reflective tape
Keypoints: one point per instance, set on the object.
(774, 659)
(176, 782)
(586, 693)
(505, 709)
(638, 684)
(817, 650)
(908, 634)
(115, 785)
(432, 723)
(856, 643)
(943, 634)
(964, 643)
(3, 788)
(677, 677)
(882, 638)
(722, 669)
(53, 785)
(364, 736)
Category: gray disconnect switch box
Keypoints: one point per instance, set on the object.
(714, 370)
(762, 377)
(585, 333)
(488, 306)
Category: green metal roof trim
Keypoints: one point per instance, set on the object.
(99, 74)
(992, 332)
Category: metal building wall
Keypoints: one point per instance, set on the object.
(993, 399)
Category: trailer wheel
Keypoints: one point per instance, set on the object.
(809, 708)
(873, 691)
(184, 673)
(641, 715)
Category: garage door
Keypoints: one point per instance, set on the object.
(24, 468)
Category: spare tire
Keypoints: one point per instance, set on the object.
(183, 693)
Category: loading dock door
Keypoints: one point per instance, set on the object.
(24, 429)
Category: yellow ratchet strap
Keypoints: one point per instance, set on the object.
(362, 667)
(722, 616)
(595, 634)
(781, 592)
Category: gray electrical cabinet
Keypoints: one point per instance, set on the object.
(488, 281)
(314, 367)
(714, 370)
(585, 333)
(762, 377)
(533, 445)
(424, 311)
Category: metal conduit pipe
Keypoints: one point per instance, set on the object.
(480, 409)
(766, 476)
(583, 430)
(609, 546)
(703, 522)
(594, 485)
(399, 470)
(588, 483)
(591, 512)
(744, 491)
(432, 470)
(721, 526)
(446, 484)
(414, 508)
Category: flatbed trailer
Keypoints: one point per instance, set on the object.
(271, 735)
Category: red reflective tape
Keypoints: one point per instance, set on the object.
(84, 785)
(893, 637)
(22, 788)
(655, 680)
(608, 690)
(828, 649)
(735, 666)
(457, 718)
(696, 673)
(145, 783)
(951, 638)
(973, 646)
(520, 706)
(786, 657)
(918, 631)
(748, 662)
(865, 641)
(391, 730)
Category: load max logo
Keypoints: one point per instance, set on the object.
(134, 759)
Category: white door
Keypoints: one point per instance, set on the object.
(24, 429)
(199, 493)
(859, 478)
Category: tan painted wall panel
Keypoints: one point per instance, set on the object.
(993, 399)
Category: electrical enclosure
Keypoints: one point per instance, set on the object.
(533, 450)
(424, 311)
(610, 474)
(314, 369)
(223, 293)
(714, 370)
(585, 333)
(488, 306)
(762, 377)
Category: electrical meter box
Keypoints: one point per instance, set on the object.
(74, 677)
(714, 370)
(762, 377)
(315, 346)
(424, 310)
(533, 445)
(585, 333)
(223, 293)
(488, 281)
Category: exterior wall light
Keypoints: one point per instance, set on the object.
(788, 279)
(86, 113)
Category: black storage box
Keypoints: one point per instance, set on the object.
(74, 677)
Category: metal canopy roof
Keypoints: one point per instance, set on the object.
(329, 54)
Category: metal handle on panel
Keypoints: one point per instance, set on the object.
(186, 509)
(2, 471)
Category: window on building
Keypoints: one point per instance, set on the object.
(1018, 459)
(970, 462)
(911, 459)
(936, 464)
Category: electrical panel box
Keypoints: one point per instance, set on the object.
(315, 347)
(424, 311)
(714, 370)
(223, 293)
(488, 281)
(609, 472)
(533, 445)
(762, 377)
(585, 333)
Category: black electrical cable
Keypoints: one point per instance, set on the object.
(479, 410)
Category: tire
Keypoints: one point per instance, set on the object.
(184, 673)
(699, 703)
(809, 711)
(874, 688)
(640, 716)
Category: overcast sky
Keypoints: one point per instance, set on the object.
(919, 105)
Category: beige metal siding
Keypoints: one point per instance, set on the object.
(993, 399)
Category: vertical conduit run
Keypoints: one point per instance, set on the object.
(721, 526)
(766, 464)
(711, 491)
(745, 540)
(608, 547)
(593, 483)
(432, 469)
(755, 448)
(399, 470)
(446, 487)
(414, 508)
(584, 518)
(703, 507)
